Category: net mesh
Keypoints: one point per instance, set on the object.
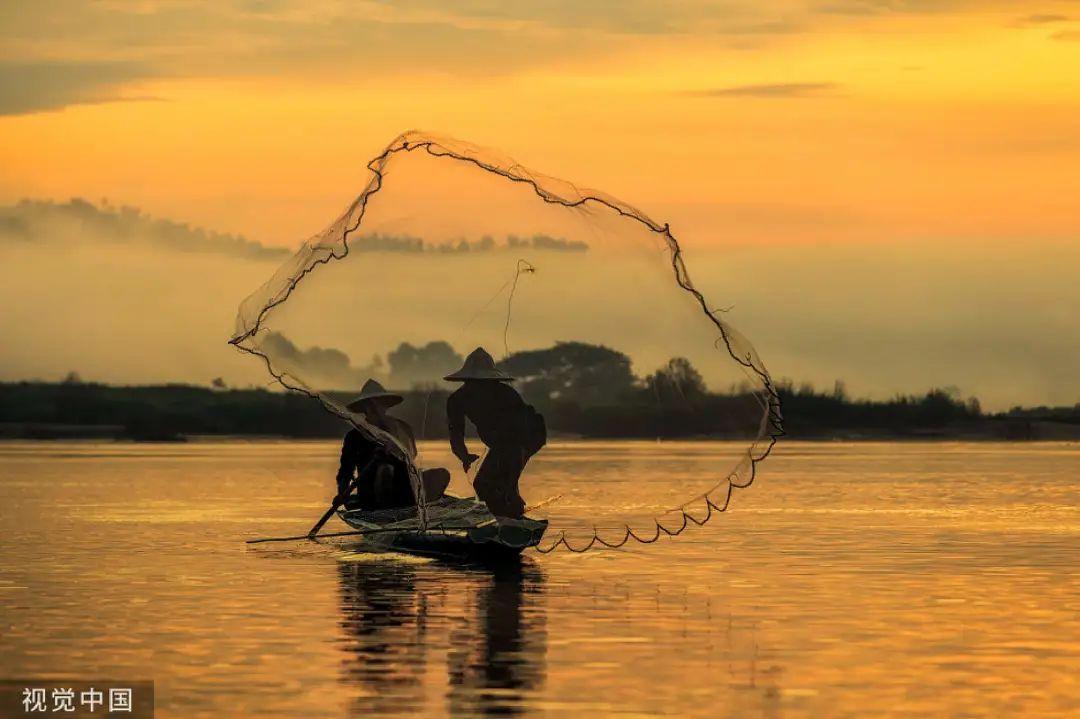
(584, 299)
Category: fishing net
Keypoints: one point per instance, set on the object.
(583, 299)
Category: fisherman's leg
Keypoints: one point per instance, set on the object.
(482, 483)
(435, 483)
(487, 483)
(384, 487)
(514, 465)
(496, 482)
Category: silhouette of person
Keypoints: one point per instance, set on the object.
(381, 480)
(512, 430)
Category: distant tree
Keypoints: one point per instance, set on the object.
(677, 382)
(574, 372)
(743, 386)
(413, 366)
(315, 362)
(72, 377)
(321, 367)
(217, 383)
(938, 408)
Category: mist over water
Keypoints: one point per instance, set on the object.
(996, 322)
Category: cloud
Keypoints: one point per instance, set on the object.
(1043, 19)
(882, 7)
(639, 17)
(65, 52)
(1067, 36)
(80, 222)
(773, 90)
(885, 8)
(626, 16)
(36, 86)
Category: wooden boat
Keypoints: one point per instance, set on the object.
(455, 527)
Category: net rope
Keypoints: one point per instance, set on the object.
(334, 245)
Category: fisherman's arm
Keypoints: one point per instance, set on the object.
(347, 467)
(455, 421)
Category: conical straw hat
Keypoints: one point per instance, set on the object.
(373, 391)
(478, 365)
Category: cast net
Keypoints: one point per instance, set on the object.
(656, 408)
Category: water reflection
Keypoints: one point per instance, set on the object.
(498, 661)
(475, 633)
(384, 621)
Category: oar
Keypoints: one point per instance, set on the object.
(340, 499)
(298, 537)
(325, 518)
(380, 530)
(544, 503)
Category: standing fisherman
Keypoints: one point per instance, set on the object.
(513, 431)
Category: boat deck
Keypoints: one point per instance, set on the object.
(454, 525)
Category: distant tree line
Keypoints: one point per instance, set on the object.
(165, 412)
(35, 221)
(582, 389)
(810, 413)
(376, 242)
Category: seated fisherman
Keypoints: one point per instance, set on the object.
(370, 477)
(512, 430)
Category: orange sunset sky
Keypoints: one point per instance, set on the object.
(898, 175)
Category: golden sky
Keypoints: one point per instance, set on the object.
(817, 155)
(739, 120)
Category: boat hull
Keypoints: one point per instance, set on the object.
(455, 527)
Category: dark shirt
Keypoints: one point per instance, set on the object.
(498, 412)
(357, 455)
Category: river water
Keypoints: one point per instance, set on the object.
(852, 579)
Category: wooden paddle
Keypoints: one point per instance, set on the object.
(340, 498)
(325, 518)
(380, 530)
(298, 537)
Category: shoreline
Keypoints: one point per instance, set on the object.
(178, 413)
(45, 434)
